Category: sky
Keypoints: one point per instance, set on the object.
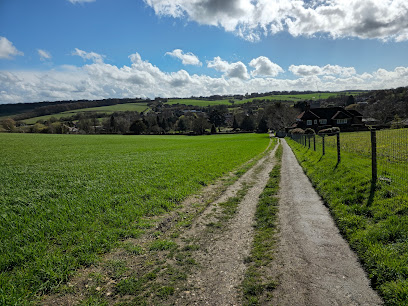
(94, 49)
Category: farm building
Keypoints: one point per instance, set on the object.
(322, 118)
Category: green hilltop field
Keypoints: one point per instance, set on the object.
(67, 199)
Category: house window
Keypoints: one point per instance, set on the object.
(309, 122)
(323, 121)
(341, 121)
(315, 122)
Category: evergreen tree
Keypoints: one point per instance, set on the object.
(248, 124)
(138, 127)
(213, 129)
(235, 124)
(262, 126)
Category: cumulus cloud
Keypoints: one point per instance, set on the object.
(230, 70)
(186, 58)
(7, 49)
(264, 67)
(98, 80)
(307, 70)
(251, 19)
(44, 55)
(95, 57)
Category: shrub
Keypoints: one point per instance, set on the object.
(332, 130)
(297, 131)
(310, 131)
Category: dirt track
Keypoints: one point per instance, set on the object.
(314, 264)
(221, 260)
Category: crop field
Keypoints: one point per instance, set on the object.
(66, 199)
(138, 107)
(374, 219)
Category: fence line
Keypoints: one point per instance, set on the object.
(387, 149)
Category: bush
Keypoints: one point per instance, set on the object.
(297, 131)
(332, 130)
(310, 131)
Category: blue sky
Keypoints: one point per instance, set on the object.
(84, 49)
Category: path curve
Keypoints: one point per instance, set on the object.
(314, 264)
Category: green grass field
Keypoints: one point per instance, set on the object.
(66, 199)
(373, 220)
(138, 107)
(392, 145)
(201, 103)
(300, 97)
(292, 98)
(392, 153)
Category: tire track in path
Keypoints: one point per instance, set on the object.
(314, 264)
(221, 256)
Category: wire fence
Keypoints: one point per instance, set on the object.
(387, 149)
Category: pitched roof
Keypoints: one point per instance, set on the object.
(342, 115)
(308, 115)
(355, 113)
(328, 113)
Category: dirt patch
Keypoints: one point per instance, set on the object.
(314, 264)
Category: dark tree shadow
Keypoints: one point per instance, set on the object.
(372, 193)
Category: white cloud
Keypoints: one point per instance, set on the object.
(80, 1)
(264, 67)
(95, 57)
(7, 49)
(307, 70)
(231, 70)
(186, 58)
(44, 55)
(141, 78)
(251, 19)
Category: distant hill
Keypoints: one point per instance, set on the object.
(21, 111)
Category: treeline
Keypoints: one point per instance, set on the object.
(385, 105)
(251, 117)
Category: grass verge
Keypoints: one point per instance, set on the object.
(256, 286)
(372, 219)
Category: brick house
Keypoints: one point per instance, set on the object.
(322, 118)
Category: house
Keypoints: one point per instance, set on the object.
(322, 118)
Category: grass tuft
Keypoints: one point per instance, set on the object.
(255, 284)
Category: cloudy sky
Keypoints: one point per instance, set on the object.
(91, 49)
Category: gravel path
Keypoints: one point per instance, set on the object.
(221, 260)
(314, 264)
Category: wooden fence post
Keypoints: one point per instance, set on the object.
(314, 142)
(373, 155)
(338, 148)
(323, 144)
(308, 138)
